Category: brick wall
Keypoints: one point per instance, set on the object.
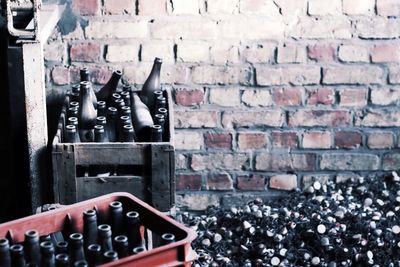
(269, 94)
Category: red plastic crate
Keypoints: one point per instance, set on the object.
(70, 219)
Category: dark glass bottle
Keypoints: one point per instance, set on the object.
(62, 247)
(73, 121)
(116, 217)
(101, 108)
(121, 245)
(47, 250)
(151, 84)
(72, 112)
(81, 263)
(161, 102)
(110, 256)
(101, 120)
(167, 238)
(91, 93)
(128, 133)
(32, 248)
(159, 119)
(125, 110)
(89, 227)
(114, 98)
(76, 247)
(126, 96)
(74, 95)
(111, 128)
(71, 135)
(5, 259)
(141, 118)
(105, 237)
(123, 120)
(104, 94)
(100, 135)
(87, 114)
(137, 250)
(17, 255)
(156, 133)
(119, 103)
(94, 255)
(164, 112)
(85, 74)
(62, 260)
(132, 229)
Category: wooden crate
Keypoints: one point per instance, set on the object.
(152, 164)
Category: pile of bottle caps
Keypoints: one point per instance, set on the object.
(353, 223)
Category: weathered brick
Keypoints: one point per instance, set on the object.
(252, 140)
(260, 53)
(75, 34)
(267, 75)
(117, 7)
(176, 28)
(122, 53)
(85, 52)
(322, 8)
(60, 75)
(353, 75)
(322, 52)
(385, 53)
(223, 6)
(219, 97)
(385, 96)
(287, 182)
(218, 140)
(291, 53)
(308, 180)
(188, 182)
(220, 161)
(291, 8)
(137, 74)
(153, 7)
(357, 97)
(288, 96)
(99, 74)
(220, 75)
(251, 183)
(155, 48)
(193, 51)
(221, 53)
(329, 27)
(181, 161)
(189, 97)
(219, 181)
(349, 162)
(285, 162)
(321, 96)
(379, 118)
(116, 29)
(325, 118)
(237, 119)
(195, 119)
(180, 7)
(54, 52)
(358, 7)
(378, 28)
(258, 7)
(391, 161)
(380, 140)
(348, 139)
(284, 139)
(188, 140)
(88, 7)
(388, 7)
(197, 202)
(317, 140)
(353, 53)
(257, 98)
(175, 73)
(394, 74)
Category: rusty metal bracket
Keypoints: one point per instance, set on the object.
(31, 32)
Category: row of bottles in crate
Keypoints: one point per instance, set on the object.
(114, 115)
(98, 244)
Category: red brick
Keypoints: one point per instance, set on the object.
(326, 118)
(188, 182)
(286, 182)
(218, 140)
(353, 97)
(220, 181)
(284, 139)
(100, 75)
(75, 74)
(117, 7)
(321, 96)
(86, 7)
(348, 139)
(252, 140)
(380, 140)
(322, 53)
(391, 161)
(287, 96)
(285, 161)
(379, 118)
(189, 97)
(85, 52)
(385, 53)
(317, 140)
(60, 75)
(251, 183)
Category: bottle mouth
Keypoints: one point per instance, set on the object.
(121, 238)
(17, 248)
(138, 250)
(62, 244)
(94, 247)
(32, 233)
(118, 72)
(157, 60)
(133, 215)
(76, 236)
(3, 242)
(104, 228)
(90, 212)
(168, 237)
(116, 204)
(46, 244)
(62, 257)
(110, 254)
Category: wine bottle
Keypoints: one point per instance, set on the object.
(126, 96)
(101, 120)
(87, 114)
(156, 133)
(132, 229)
(89, 227)
(71, 135)
(5, 258)
(47, 250)
(137, 250)
(100, 134)
(81, 263)
(94, 255)
(101, 108)
(126, 110)
(161, 102)
(62, 260)
(128, 133)
(159, 119)
(151, 84)
(17, 255)
(62, 247)
(121, 245)
(110, 256)
(31, 246)
(85, 77)
(72, 112)
(111, 128)
(116, 217)
(141, 118)
(114, 98)
(76, 247)
(105, 93)
(105, 237)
